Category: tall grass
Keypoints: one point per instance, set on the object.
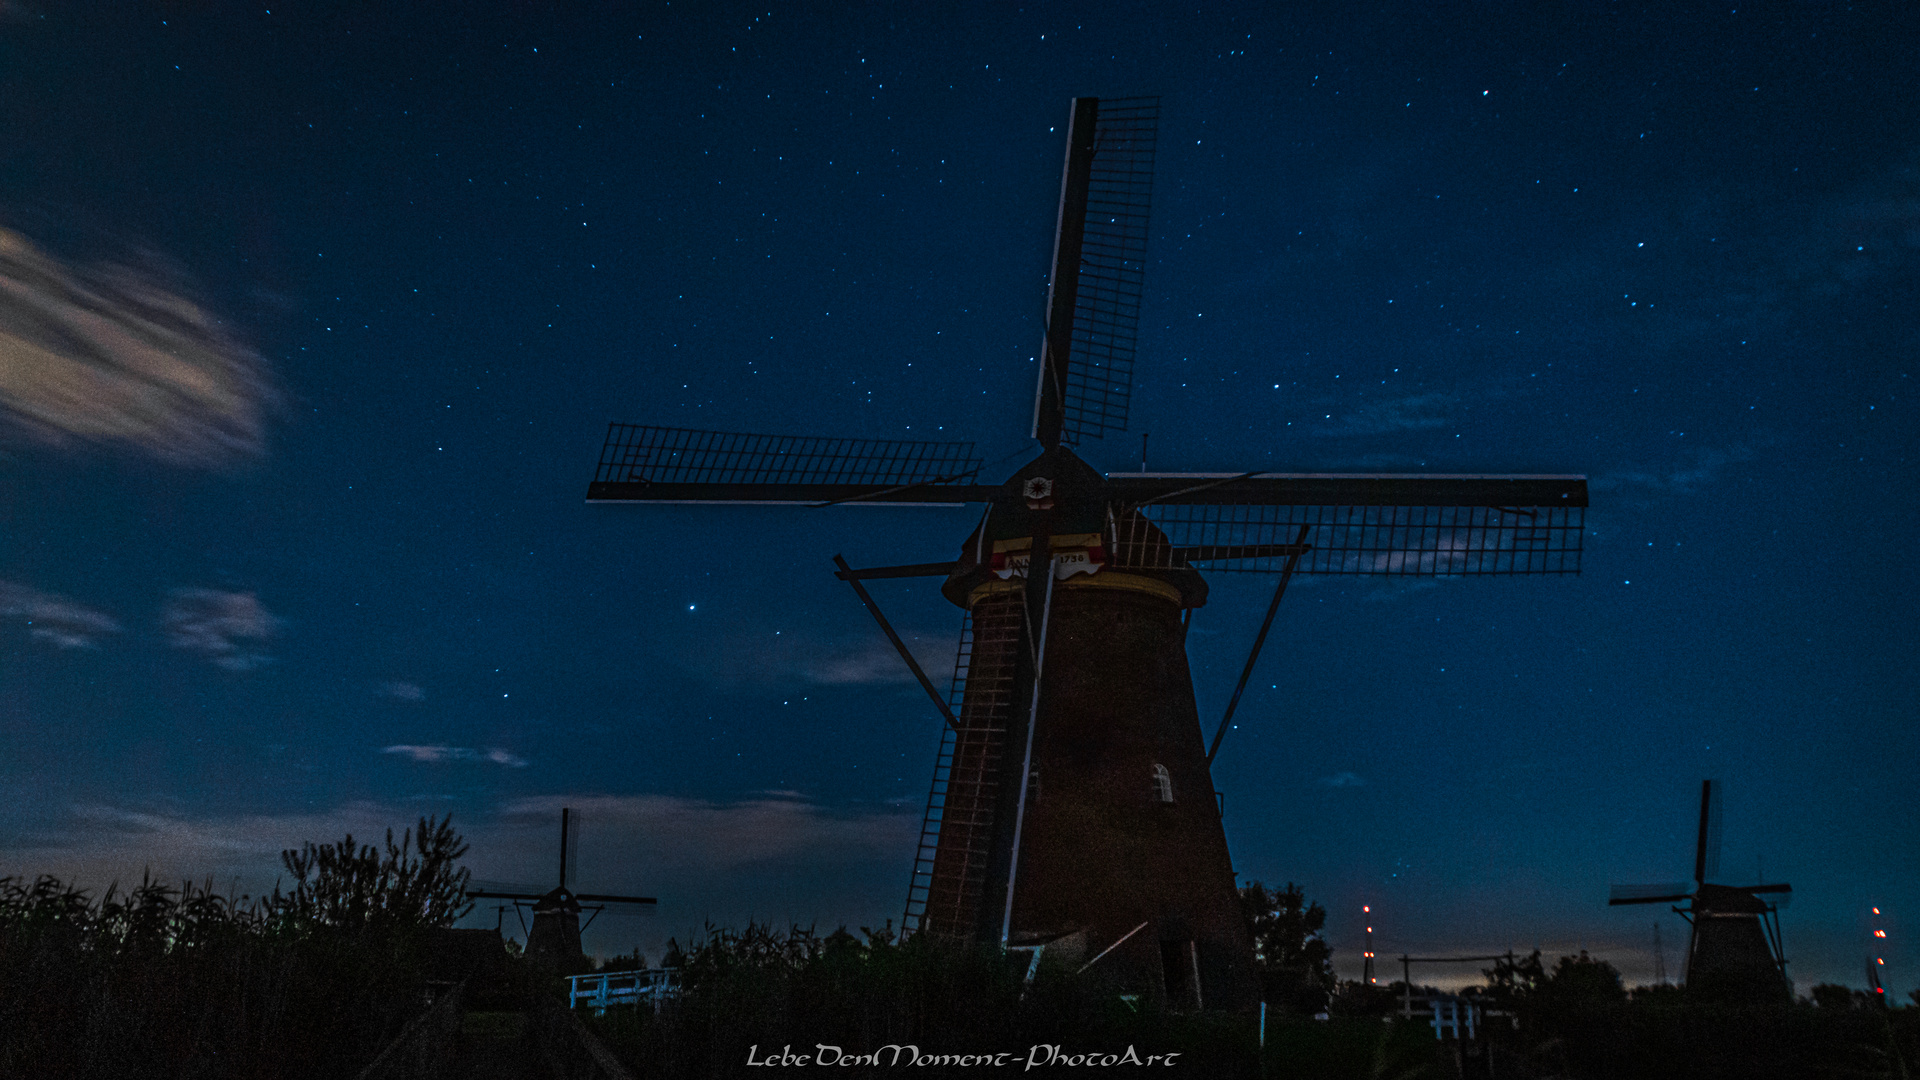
(184, 982)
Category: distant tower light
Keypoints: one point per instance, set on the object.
(1366, 970)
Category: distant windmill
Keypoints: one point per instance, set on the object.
(554, 939)
(1073, 805)
(1735, 946)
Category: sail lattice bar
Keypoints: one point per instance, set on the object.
(645, 463)
(1352, 489)
(1389, 541)
(1113, 256)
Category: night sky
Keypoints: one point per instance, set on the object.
(312, 320)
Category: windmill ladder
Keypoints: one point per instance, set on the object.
(949, 878)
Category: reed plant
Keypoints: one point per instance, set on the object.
(166, 982)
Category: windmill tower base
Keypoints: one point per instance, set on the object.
(1123, 827)
(1730, 958)
(553, 941)
(1120, 860)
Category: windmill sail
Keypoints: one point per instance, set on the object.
(1666, 892)
(1099, 262)
(569, 848)
(682, 465)
(1706, 857)
(1386, 525)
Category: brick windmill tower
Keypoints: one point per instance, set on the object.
(1073, 810)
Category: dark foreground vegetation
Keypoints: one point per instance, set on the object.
(840, 999)
(759, 992)
(183, 983)
(162, 982)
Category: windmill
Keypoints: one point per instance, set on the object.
(554, 939)
(1072, 807)
(1735, 946)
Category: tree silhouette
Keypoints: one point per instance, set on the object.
(1296, 965)
(1583, 981)
(1513, 981)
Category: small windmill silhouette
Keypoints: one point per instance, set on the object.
(1735, 947)
(554, 939)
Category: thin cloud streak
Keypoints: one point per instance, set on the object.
(710, 836)
(221, 626)
(115, 355)
(1705, 468)
(55, 620)
(771, 856)
(101, 844)
(402, 691)
(1414, 412)
(873, 662)
(736, 657)
(437, 754)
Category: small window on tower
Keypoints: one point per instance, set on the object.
(1162, 785)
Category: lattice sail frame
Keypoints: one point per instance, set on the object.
(1106, 313)
(1388, 541)
(636, 453)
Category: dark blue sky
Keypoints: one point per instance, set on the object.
(312, 319)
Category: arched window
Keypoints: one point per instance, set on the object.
(1162, 784)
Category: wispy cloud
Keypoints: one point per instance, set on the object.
(742, 655)
(434, 754)
(692, 835)
(1699, 469)
(1870, 231)
(686, 835)
(873, 661)
(1414, 412)
(402, 691)
(1342, 779)
(228, 628)
(114, 355)
(56, 620)
(99, 844)
(771, 856)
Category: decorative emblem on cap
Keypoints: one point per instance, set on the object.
(1039, 493)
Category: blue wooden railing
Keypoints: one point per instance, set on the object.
(602, 989)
